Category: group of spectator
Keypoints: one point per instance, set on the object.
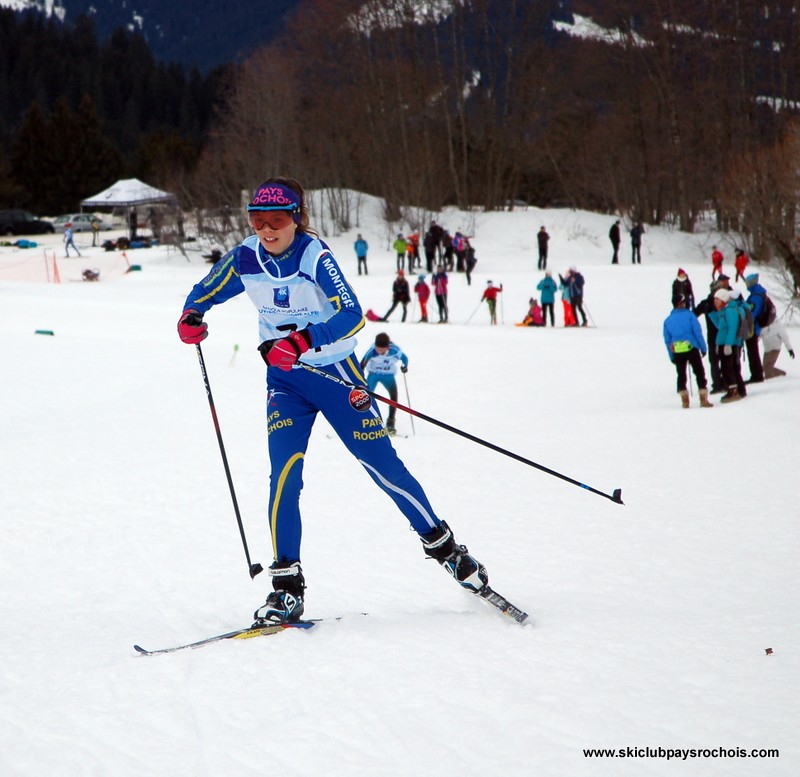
(735, 326)
(454, 252)
(571, 286)
(615, 237)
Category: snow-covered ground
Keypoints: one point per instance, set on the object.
(650, 621)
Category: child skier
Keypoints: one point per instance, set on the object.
(380, 364)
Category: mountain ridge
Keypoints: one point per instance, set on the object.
(205, 33)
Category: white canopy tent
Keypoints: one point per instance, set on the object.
(127, 193)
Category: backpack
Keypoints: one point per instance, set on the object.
(746, 325)
(769, 313)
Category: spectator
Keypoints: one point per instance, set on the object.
(155, 220)
(756, 300)
(412, 249)
(569, 313)
(534, 315)
(716, 262)
(706, 308)
(439, 281)
(773, 336)
(430, 244)
(542, 239)
(576, 283)
(361, 247)
(686, 346)
(548, 287)
(447, 242)
(438, 233)
(683, 286)
(614, 237)
(133, 224)
(740, 262)
(460, 248)
(727, 318)
(400, 246)
(400, 296)
(423, 292)
(95, 223)
(471, 261)
(636, 243)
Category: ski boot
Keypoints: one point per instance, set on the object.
(468, 572)
(285, 603)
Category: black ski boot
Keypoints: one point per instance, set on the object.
(285, 603)
(466, 569)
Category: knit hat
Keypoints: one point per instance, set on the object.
(421, 277)
(751, 279)
(681, 272)
(382, 340)
(723, 277)
(678, 301)
(723, 294)
(274, 196)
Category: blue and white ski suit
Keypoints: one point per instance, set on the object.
(304, 288)
(382, 367)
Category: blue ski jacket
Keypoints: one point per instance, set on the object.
(302, 288)
(682, 326)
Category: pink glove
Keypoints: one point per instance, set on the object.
(191, 328)
(285, 352)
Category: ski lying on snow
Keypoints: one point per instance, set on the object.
(248, 633)
(489, 595)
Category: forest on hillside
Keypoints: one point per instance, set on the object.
(668, 111)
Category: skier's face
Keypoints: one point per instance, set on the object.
(275, 229)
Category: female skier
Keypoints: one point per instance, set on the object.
(307, 315)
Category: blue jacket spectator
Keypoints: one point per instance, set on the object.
(548, 287)
(727, 322)
(681, 326)
(756, 298)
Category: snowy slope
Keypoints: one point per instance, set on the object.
(650, 620)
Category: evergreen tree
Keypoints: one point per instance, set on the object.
(30, 159)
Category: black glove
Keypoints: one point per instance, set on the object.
(405, 369)
(791, 353)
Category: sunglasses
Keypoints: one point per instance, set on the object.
(274, 219)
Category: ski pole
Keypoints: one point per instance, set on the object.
(474, 312)
(408, 399)
(616, 496)
(254, 569)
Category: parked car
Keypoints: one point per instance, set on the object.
(22, 222)
(81, 222)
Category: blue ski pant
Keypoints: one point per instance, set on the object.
(294, 399)
(389, 382)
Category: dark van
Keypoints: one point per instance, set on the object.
(22, 222)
